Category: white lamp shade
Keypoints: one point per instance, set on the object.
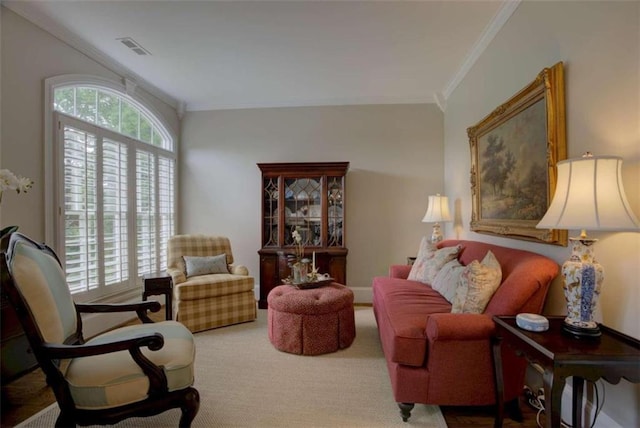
(438, 209)
(590, 195)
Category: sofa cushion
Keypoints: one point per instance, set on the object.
(478, 282)
(196, 265)
(428, 266)
(405, 306)
(214, 285)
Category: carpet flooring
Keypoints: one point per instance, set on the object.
(244, 382)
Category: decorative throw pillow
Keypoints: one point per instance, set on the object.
(447, 280)
(429, 266)
(426, 248)
(205, 265)
(478, 282)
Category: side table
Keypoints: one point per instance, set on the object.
(612, 356)
(156, 284)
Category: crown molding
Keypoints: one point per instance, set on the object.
(497, 22)
(31, 14)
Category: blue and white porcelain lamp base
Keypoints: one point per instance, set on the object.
(583, 277)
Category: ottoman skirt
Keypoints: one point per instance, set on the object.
(311, 322)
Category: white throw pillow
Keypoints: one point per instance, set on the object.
(478, 282)
(428, 267)
(447, 280)
(205, 265)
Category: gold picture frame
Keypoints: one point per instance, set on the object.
(514, 151)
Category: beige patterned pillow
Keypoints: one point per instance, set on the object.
(429, 266)
(447, 280)
(478, 282)
(426, 248)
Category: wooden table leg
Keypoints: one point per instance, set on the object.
(578, 385)
(499, 379)
(168, 308)
(553, 387)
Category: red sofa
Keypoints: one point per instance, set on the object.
(442, 358)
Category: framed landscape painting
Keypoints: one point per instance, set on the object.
(514, 151)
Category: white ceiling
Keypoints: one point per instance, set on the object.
(240, 54)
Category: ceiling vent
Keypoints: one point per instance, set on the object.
(134, 46)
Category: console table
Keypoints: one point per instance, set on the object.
(612, 356)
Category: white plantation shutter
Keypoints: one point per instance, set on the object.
(146, 212)
(80, 209)
(166, 204)
(117, 207)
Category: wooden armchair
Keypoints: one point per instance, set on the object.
(138, 370)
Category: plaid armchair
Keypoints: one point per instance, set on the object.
(205, 300)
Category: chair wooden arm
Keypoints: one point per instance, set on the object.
(140, 308)
(155, 341)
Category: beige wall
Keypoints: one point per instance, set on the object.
(29, 56)
(599, 43)
(396, 158)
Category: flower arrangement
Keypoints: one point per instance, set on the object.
(11, 181)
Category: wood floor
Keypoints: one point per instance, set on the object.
(29, 394)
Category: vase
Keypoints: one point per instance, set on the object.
(583, 277)
(300, 271)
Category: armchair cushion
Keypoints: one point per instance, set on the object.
(214, 285)
(114, 379)
(54, 311)
(196, 265)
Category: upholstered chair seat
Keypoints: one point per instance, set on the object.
(108, 380)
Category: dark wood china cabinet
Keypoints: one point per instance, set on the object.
(309, 197)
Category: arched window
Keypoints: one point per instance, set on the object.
(113, 169)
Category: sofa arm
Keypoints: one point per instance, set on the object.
(177, 276)
(448, 326)
(238, 270)
(399, 271)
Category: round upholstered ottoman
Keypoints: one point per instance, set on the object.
(311, 322)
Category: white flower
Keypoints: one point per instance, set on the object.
(299, 246)
(10, 181)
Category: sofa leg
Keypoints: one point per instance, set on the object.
(405, 410)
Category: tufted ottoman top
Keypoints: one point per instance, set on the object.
(323, 300)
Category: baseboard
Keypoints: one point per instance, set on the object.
(362, 295)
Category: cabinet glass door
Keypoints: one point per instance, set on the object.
(335, 211)
(270, 208)
(303, 210)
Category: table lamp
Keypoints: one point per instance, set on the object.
(589, 195)
(437, 211)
